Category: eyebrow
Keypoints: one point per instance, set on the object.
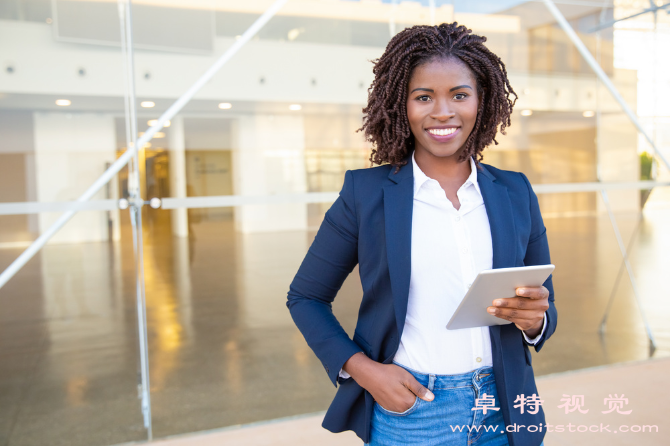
(433, 91)
(422, 89)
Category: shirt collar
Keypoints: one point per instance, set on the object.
(420, 178)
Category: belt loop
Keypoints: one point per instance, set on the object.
(431, 382)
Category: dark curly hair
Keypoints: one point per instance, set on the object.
(385, 122)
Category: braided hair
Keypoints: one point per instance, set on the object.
(385, 122)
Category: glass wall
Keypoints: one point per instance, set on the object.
(271, 135)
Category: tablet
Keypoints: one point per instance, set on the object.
(492, 284)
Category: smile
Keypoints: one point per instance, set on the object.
(442, 132)
(443, 135)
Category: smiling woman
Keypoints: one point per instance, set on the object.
(397, 77)
(442, 110)
(441, 115)
(420, 234)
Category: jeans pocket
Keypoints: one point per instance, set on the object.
(399, 414)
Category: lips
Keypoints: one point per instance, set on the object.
(442, 134)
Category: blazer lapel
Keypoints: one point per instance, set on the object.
(398, 205)
(499, 211)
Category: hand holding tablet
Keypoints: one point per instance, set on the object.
(525, 311)
(505, 295)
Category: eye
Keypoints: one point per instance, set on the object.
(423, 98)
(461, 96)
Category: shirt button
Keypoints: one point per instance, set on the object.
(464, 250)
(469, 285)
(478, 359)
(457, 218)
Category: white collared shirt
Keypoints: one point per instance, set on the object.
(449, 248)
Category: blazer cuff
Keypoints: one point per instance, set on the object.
(340, 354)
(536, 339)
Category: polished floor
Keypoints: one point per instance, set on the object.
(641, 382)
(222, 346)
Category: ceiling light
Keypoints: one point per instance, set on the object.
(63, 102)
(147, 104)
(156, 135)
(295, 107)
(295, 32)
(225, 105)
(589, 114)
(153, 122)
(526, 112)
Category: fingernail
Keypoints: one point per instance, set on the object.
(497, 303)
(491, 310)
(521, 290)
(429, 395)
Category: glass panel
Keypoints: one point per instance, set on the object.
(58, 102)
(68, 345)
(223, 347)
(279, 120)
(68, 328)
(588, 266)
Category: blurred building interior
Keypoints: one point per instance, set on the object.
(281, 119)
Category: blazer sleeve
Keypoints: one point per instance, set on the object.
(330, 259)
(537, 253)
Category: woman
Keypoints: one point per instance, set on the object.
(421, 227)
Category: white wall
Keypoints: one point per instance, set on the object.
(268, 158)
(288, 69)
(71, 150)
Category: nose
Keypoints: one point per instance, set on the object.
(442, 110)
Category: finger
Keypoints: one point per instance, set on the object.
(417, 389)
(512, 302)
(539, 292)
(515, 315)
(522, 303)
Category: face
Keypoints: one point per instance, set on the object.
(442, 105)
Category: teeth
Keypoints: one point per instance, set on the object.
(442, 132)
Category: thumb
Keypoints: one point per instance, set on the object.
(419, 390)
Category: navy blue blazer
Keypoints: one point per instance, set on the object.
(370, 224)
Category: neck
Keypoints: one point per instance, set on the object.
(443, 168)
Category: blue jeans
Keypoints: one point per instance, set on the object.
(447, 420)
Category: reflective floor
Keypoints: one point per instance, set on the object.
(223, 349)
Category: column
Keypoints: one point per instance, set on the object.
(71, 152)
(177, 144)
(269, 159)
